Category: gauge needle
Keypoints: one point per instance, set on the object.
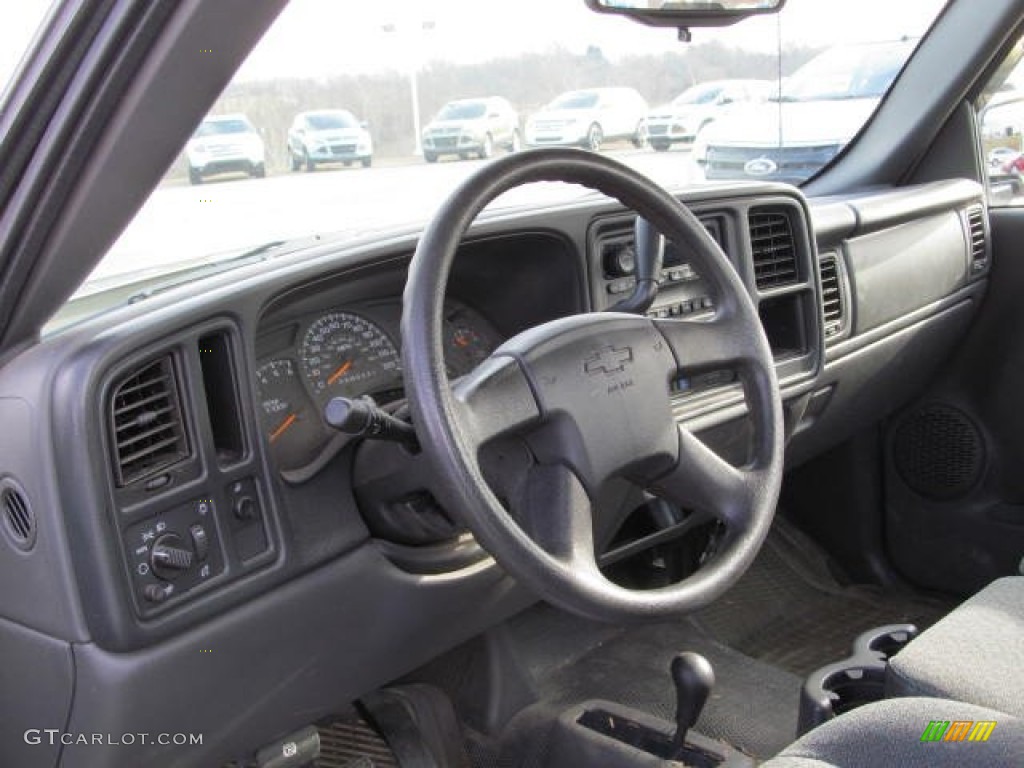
(339, 373)
(292, 418)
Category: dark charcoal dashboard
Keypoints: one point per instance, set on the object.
(187, 493)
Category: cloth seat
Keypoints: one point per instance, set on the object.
(889, 733)
(975, 654)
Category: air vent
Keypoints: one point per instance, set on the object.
(148, 432)
(976, 234)
(773, 249)
(18, 518)
(831, 295)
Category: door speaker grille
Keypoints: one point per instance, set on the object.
(938, 452)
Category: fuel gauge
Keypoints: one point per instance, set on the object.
(292, 428)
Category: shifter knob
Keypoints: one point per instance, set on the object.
(693, 678)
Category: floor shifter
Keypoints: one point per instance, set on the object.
(693, 679)
(591, 732)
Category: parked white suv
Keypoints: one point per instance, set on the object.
(472, 126)
(697, 107)
(588, 118)
(328, 136)
(225, 144)
(822, 107)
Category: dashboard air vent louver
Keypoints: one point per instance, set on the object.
(148, 432)
(831, 295)
(773, 249)
(18, 517)
(976, 235)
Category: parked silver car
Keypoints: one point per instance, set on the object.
(225, 144)
(681, 119)
(472, 126)
(588, 118)
(821, 108)
(328, 136)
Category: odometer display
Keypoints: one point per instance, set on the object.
(343, 354)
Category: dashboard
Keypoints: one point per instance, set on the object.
(198, 500)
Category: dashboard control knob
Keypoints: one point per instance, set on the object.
(245, 508)
(170, 556)
(620, 260)
(156, 593)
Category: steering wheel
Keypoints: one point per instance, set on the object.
(590, 396)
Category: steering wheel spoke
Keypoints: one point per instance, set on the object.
(495, 399)
(704, 481)
(554, 510)
(724, 341)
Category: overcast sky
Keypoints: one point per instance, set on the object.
(323, 37)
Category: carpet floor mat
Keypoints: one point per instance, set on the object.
(789, 610)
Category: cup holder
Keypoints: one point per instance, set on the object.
(859, 679)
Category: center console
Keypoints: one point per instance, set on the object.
(611, 735)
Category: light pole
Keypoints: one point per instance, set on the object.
(415, 46)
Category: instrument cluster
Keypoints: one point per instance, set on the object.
(345, 352)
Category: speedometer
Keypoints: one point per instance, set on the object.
(343, 354)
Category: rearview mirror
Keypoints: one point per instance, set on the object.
(686, 13)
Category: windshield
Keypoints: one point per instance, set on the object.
(387, 67)
(325, 121)
(580, 100)
(849, 72)
(463, 110)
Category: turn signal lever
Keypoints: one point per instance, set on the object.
(364, 418)
(649, 246)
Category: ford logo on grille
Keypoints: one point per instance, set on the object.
(760, 166)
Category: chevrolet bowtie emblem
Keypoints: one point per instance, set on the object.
(608, 360)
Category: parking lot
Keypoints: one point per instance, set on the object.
(181, 222)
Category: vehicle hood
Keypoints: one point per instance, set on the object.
(224, 140)
(671, 112)
(451, 126)
(806, 123)
(562, 114)
(336, 134)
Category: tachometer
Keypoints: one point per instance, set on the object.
(343, 354)
(467, 344)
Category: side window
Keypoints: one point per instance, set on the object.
(1000, 110)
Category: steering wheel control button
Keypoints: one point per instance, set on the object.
(200, 541)
(171, 556)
